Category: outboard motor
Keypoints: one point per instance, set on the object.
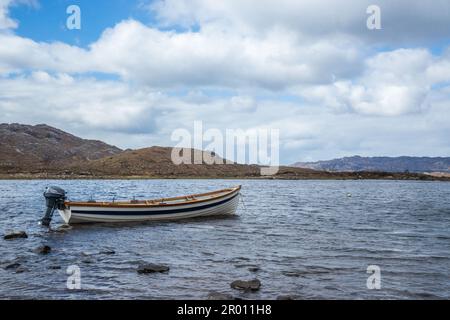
(54, 198)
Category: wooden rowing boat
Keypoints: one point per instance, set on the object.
(221, 202)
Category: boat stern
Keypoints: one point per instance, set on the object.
(65, 214)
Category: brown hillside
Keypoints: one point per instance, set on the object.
(25, 148)
(157, 162)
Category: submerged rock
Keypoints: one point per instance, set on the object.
(21, 269)
(13, 265)
(16, 267)
(253, 269)
(152, 268)
(87, 261)
(285, 297)
(15, 235)
(219, 296)
(107, 252)
(54, 267)
(43, 249)
(63, 228)
(252, 285)
(294, 274)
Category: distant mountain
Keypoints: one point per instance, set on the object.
(385, 164)
(25, 148)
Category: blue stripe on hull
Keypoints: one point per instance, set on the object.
(153, 212)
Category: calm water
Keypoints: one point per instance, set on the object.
(310, 239)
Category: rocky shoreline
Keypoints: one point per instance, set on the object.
(19, 265)
(284, 174)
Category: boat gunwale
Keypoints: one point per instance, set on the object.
(157, 202)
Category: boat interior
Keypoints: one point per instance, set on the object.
(188, 199)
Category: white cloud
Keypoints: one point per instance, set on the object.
(306, 68)
(402, 20)
(5, 21)
(216, 58)
(128, 116)
(63, 100)
(18, 54)
(212, 58)
(393, 83)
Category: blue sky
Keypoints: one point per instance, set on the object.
(46, 21)
(139, 70)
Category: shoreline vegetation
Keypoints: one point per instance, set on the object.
(286, 173)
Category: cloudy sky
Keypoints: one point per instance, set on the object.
(138, 70)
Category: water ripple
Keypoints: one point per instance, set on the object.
(306, 239)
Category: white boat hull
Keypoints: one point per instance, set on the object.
(85, 214)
